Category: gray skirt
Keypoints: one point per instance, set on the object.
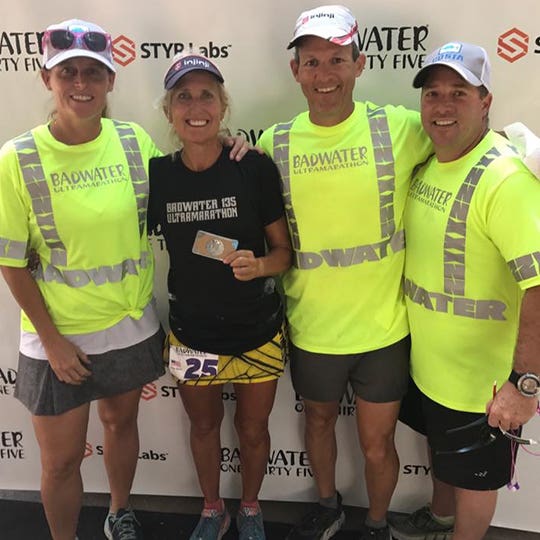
(113, 373)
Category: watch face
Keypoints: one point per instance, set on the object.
(529, 385)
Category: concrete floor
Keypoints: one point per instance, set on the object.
(283, 512)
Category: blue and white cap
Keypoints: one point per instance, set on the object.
(469, 61)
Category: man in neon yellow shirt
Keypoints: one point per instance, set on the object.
(472, 286)
(345, 168)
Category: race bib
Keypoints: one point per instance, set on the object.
(189, 364)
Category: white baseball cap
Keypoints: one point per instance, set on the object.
(74, 38)
(334, 23)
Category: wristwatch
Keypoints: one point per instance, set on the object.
(528, 384)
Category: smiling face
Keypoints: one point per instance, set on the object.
(195, 107)
(327, 74)
(80, 86)
(454, 113)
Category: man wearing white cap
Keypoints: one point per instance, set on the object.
(345, 168)
(472, 286)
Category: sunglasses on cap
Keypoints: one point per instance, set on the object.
(62, 40)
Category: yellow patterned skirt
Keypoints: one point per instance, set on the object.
(191, 367)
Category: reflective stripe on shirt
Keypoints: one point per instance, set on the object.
(385, 171)
(456, 229)
(34, 178)
(12, 249)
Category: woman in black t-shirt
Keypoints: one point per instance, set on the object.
(226, 235)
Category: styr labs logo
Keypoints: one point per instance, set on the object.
(149, 391)
(124, 50)
(513, 45)
(147, 454)
(88, 450)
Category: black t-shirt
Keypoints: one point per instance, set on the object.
(209, 309)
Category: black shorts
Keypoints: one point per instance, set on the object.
(376, 376)
(485, 468)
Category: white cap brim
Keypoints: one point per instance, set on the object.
(74, 53)
(324, 32)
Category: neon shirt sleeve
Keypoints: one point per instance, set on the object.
(14, 211)
(513, 224)
(147, 145)
(265, 141)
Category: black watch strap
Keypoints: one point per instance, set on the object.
(527, 384)
(514, 377)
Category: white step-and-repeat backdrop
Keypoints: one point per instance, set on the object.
(247, 38)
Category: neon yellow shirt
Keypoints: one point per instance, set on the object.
(344, 198)
(473, 245)
(82, 208)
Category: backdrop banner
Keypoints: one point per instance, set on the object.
(248, 40)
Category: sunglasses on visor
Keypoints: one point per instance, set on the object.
(62, 40)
